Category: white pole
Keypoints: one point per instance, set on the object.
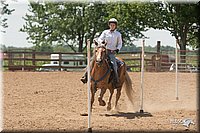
(142, 76)
(89, 99)
(176, 81)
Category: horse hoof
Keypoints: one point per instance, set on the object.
(102, 103)
(116, 109)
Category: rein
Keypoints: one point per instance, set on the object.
(96, 81)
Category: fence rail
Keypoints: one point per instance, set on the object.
(33, 61)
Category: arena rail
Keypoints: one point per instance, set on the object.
(34, 61)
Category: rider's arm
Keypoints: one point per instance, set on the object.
(101, 37)
(119, 41)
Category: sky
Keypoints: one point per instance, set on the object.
(13, 37)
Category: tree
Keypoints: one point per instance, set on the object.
(179, 19)
(134, 18)
(64, 23)
(4, 11)
(73, 23)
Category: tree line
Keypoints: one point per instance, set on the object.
(50, 24)
(60, 48)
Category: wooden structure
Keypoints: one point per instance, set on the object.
(32, 61)
(157, 61)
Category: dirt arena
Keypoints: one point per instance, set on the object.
(53, 101)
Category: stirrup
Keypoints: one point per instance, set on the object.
(84, 79)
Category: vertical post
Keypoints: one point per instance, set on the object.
(88, 85)
(60, 61)
(33, 59)
(142, 77)
(23, 66)
(158, 47)
(158, 58)
(10, 63)
(176, 81)
(1, 91)
(140, 61)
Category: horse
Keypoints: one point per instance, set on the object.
(101, 78)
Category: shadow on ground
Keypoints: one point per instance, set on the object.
(129, 115)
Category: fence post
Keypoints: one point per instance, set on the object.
(24, 63)
(60, 61)
(140, 60)
(10, 63)
(33, 60)
(158, 58)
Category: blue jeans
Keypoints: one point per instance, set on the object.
(114, 64)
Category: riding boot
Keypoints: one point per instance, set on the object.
(116, 81)
(84, 78)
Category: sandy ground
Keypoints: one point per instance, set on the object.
(53, 101)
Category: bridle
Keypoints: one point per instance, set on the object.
(100, 54)
(99, 61)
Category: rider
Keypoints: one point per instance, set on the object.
(114, 44)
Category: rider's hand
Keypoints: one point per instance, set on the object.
(117, 51)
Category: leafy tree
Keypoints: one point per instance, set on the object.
(3, 48)
(44, 48)
(130, 48)
(179, 19)
(64, 23)
(4, 11)
(134, 18)
(73, 23)
(61, 48)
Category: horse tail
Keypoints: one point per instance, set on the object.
(130, 91)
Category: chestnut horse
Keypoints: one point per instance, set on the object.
(100, 78)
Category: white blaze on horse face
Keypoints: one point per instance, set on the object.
(99, 54)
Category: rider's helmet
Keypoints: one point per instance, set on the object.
(113, 20)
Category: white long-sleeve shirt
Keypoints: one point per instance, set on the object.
(113, 39)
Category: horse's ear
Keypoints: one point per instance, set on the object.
(95, 42)
(104, 42)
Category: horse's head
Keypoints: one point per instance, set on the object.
(100, 52)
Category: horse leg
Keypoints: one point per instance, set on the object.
(100, 99)
(110, 98)
(117, 97)
(92, 98)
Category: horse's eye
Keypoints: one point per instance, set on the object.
(96, 50)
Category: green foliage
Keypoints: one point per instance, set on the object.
(162, 48)
(64, 23)
(130, 48)
(44, 48)
(132, 19)
(4, 11)
(61, 48)
(178, 18)
(71, 24)
(3, 48)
